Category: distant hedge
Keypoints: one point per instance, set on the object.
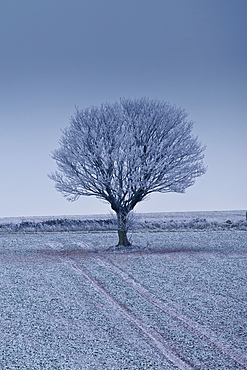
(57, 225)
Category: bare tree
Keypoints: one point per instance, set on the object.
(124, 151)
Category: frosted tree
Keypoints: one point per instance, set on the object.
(123, 152)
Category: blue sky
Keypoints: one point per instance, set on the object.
(56, 55)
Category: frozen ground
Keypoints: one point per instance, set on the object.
(178, 302)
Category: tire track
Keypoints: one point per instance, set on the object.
(156, 339)
(202, 332)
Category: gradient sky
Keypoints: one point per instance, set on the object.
(57, 54)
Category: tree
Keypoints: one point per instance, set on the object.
(124, 151)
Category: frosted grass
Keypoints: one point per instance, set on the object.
(52, 318)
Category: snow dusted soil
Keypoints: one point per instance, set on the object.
(176, 300)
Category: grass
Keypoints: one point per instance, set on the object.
(62, 308)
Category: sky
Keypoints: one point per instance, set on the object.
(58, 54)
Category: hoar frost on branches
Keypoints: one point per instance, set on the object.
(124, 151)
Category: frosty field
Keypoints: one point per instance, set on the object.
(69, 302)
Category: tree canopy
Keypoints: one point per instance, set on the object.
(124, 151)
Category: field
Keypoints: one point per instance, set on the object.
(176, 300)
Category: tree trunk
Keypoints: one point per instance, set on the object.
(122, 229)
(123, 240)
